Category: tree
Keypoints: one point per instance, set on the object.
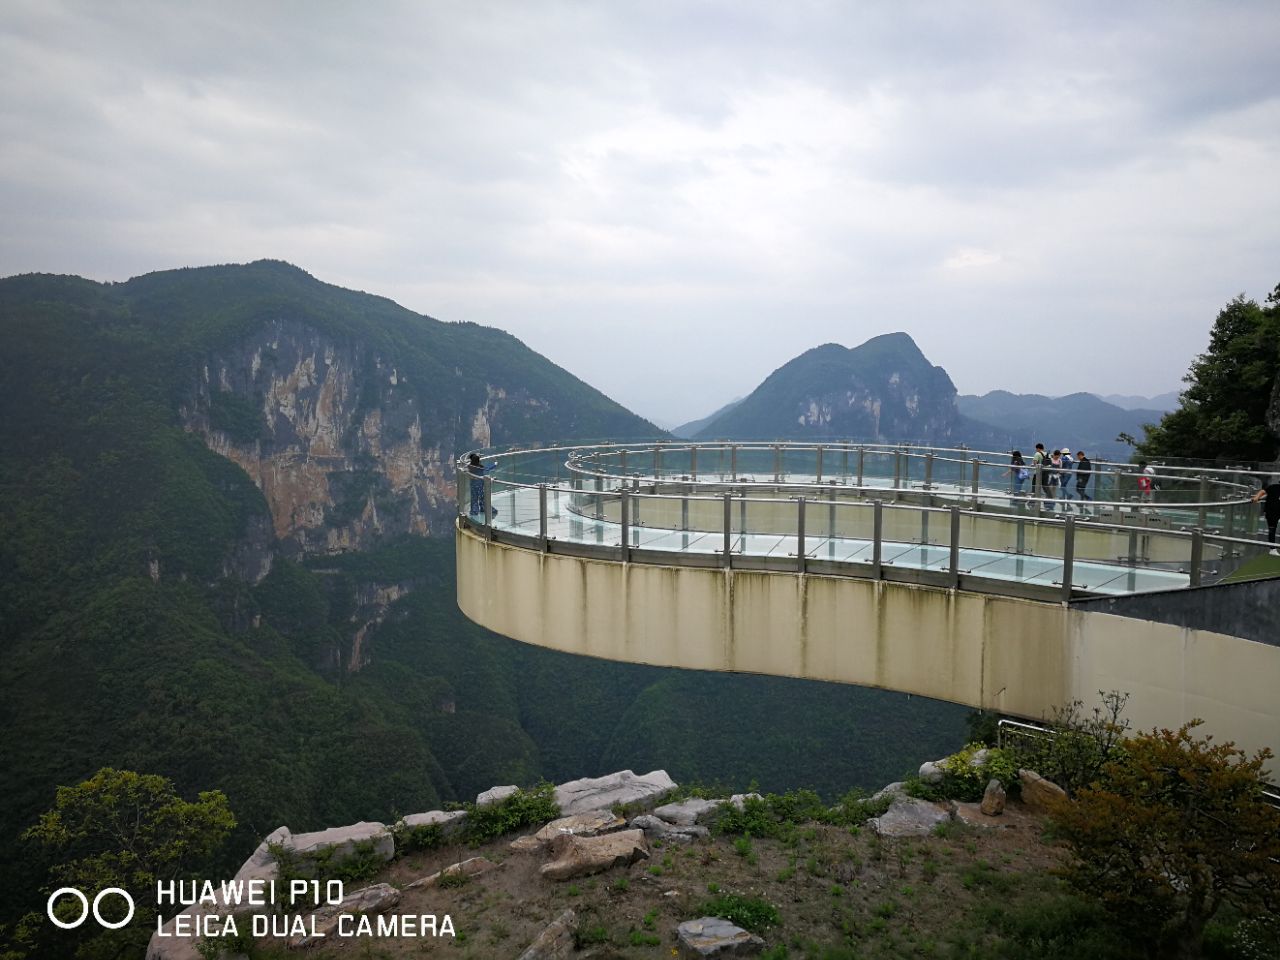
(1232, 385)
(128, 830)
(1175, 828)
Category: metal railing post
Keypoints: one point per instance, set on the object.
(1204, 498)
(897, 469)
(464, 494)
(862, 456)
(728, 529)
(928, 471)
(973, 480)
(625, 500)
(777, 463)
(542, 517)
(1068, 556)
(800, 548)
(733, 462)
(955, 547)
(622, 462)
(831, 522)
(818, 474)
(693, 463)
(877, 538)
(657, 463)
(1197, 555)
(844, 464)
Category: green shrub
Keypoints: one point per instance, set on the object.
(750, 913)
(522, 809)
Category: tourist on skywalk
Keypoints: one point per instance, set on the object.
(1039, 468)
(1084, 471)
(1052, 473)
(1064, 477)
(1019, 471)
(1271, 510)
(1146, 482)
(477, 470)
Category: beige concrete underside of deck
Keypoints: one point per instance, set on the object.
(1019, 657)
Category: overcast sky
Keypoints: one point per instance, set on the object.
(673, 199)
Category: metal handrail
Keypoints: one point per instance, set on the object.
(624, 489)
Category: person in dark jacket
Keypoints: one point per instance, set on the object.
(1270, 493)
(1084, 473)
(477, 470)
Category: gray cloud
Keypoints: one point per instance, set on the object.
(672, 199)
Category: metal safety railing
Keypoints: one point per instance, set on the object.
(920, 514)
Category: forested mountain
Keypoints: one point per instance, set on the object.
(220, 495)
(691, 429)
(883, 390)
(1078, 420)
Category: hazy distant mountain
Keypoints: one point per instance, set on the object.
(690, 430)
(1081, 421)
(884, 389)
(1163, 402)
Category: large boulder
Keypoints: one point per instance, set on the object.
(993, 799)
(579, 856)
(622, 788)
(590, 824)
(1039, 794)
(496, 795)
(688, 812)
(262, 863)
(556, 941)
(655, 828)
(450, 822)
(931, 771)
(715, 937)
(339, 843)
(909, 817)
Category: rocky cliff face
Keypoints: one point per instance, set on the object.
(343, 446)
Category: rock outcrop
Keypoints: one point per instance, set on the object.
(615, 789)
(714, 937)
(580, 856)
(1039, 794)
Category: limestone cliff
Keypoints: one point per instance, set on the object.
(344, 446)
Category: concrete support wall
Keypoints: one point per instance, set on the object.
(1020, 657)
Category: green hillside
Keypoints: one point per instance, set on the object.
(132, 635)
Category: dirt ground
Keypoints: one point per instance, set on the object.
(836, 889)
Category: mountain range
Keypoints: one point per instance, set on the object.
(225, 503)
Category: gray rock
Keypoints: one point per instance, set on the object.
(931, 771)
(979, 759)
(893, 790)
(739, 800)
(579, 856)
(993, 799)
(449, 821)
(909, 817)
(262, 864)
(655, 828)
(496, 795)
(624, 787)
(1039, 794)
(467, 868)
(343, 840)
(714, 937)
(688, 812)
(556, 941)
